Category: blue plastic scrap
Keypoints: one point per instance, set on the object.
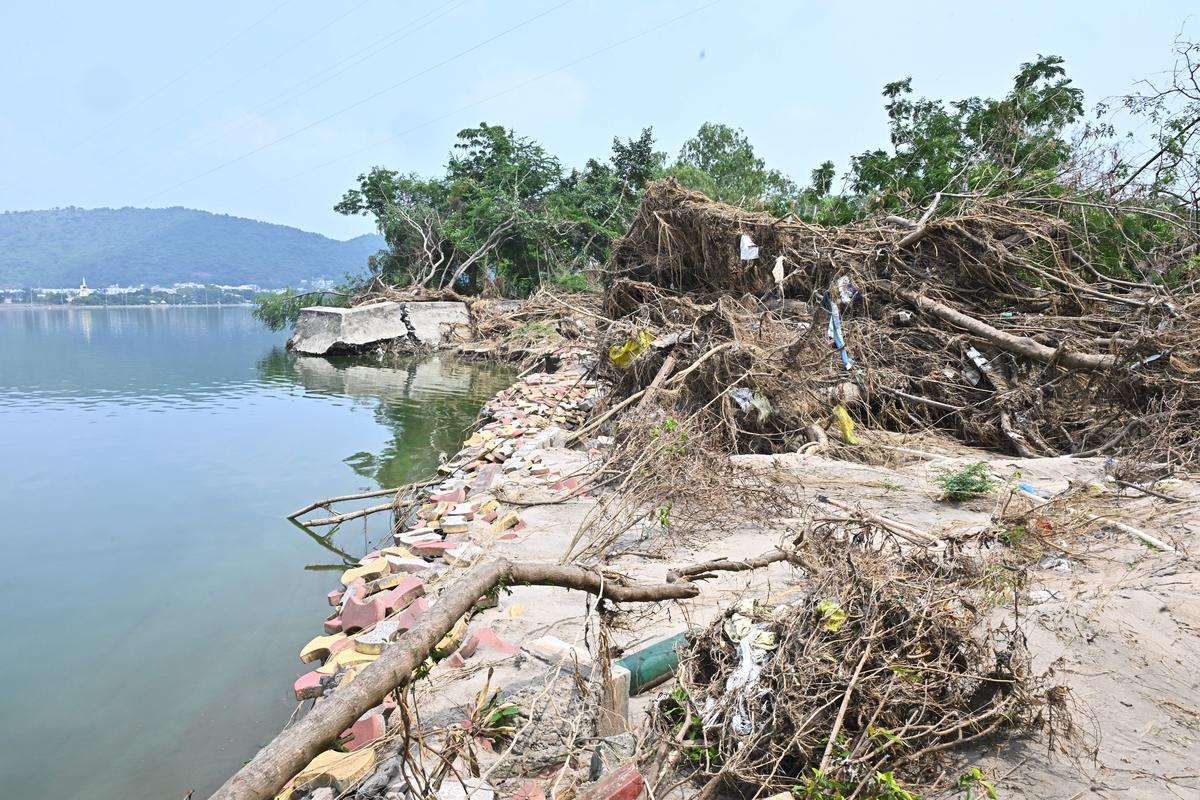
(834, 331)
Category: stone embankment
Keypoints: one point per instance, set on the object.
(515, 451)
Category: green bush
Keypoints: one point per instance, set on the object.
(973, 480)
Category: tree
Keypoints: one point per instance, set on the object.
(973, 144)
(635, 161)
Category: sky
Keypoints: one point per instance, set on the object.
(269, 109)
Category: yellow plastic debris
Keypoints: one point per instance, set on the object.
(623, 355)
(833, 616)
(845, 424)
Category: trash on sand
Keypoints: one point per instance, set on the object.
(754, 641)
(777, 271)
(845, 424)
(847, 291)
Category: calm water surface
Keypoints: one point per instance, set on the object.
(156, 595)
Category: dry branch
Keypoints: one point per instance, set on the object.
(265, 774)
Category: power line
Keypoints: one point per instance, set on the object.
(364, 100)
(241, 78)
(306, 85)
(205, 59)
(497, 95)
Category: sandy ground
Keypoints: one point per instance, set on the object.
(1116, 621)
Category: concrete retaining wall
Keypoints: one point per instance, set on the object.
(322, 331)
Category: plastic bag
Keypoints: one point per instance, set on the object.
(845, 424)
(623, 355)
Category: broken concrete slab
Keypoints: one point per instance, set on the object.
(431, 323)
(321, 330)
(324, 330)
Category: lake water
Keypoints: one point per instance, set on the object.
(157, 597)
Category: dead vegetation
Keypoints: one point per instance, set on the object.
(859, 680)
(990, 324)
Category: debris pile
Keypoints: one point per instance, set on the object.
(875, 664)
(989, 323)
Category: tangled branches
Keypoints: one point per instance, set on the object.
(992, 323)
(873, 670)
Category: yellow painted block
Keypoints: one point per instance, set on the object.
(487, 508)
(369, 571)
(505, 521)
(390, 581)
(318, 648)
(400, 552)
(349, 657)
(339, 771)
(286, 794)
(451, 641)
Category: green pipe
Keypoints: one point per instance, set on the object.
(654, 664)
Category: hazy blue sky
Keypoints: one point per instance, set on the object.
(188, 103)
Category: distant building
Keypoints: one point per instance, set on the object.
(82, 291)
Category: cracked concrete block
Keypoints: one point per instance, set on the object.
(322, 330)
(432, 322)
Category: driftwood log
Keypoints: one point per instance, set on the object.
(284, 756)
(1018, 345)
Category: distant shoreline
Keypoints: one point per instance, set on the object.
(70, 307)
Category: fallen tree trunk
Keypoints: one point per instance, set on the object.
(694, 572)
(361, 496)
(284, 756)
(1019, 345)
(337, 519)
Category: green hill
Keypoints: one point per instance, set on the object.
(132, 246)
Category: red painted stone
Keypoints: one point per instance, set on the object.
(333, 624)
(456, 496)
(530, 790)
(404, 593)
(410, 615)
(510, 536)
(623, 783)
(335, 597)
(432, 549)
(487, 638)
(308, 686)
(362, 733)
(484, 478)
(490, 516)
(362, 612)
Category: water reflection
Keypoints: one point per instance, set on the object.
(150, 455)
(422, 400)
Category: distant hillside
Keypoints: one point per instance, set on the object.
(165, 246)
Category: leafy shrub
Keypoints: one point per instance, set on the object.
(973, 480)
